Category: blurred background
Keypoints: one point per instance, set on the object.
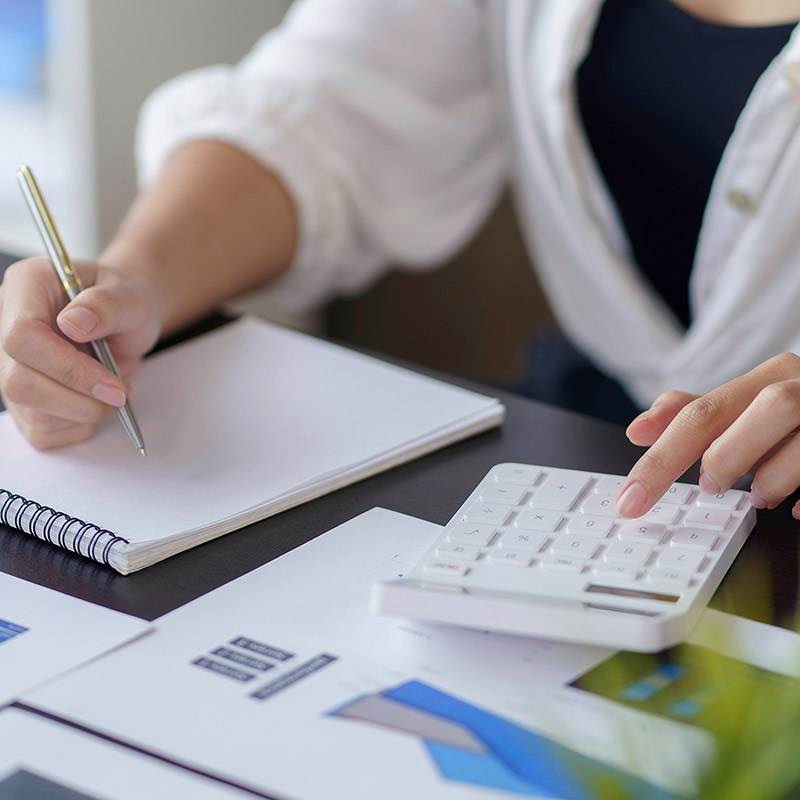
(73, 74)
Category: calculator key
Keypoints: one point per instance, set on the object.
(727, 500)
(709, 518)
(560, 490)
(637, 531)
(574, 546)
(622, 572)
(680, 560)
(491, 513)
(503, 493)
(599, 504)
(538, 519)
(523, 540)
(460, 552)
(694, 540)
(583, 524)
(678, 493)
(510, 558)
(662, 512)
(520, 474)
(635, 553)
(445, 568)
(669, 578)
(563, 563)
(609, 484)
(464, 533)
(443, 588)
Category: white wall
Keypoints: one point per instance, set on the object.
(134, 47)
(106, 57)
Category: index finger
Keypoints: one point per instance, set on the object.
(31, 296)
(691, 433)
(31, 287)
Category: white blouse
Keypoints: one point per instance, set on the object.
(395, 124)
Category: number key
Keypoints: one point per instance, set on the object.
(585, 525)
(637, 531)
(682, 560)
(635, 553)
(574, 546)
(714, 519)
(599, 504)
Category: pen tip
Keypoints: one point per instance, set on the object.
(142, 452)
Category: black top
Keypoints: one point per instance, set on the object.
(659, 93)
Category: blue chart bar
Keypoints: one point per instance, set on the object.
(8, 630)
(490, 751)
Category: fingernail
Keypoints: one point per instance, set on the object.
(109, 393)
(796, 512)
(631, 501)
(83, 320)
(709, 486)
(641, 417)
(756, 500)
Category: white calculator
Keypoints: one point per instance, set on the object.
(541, 551)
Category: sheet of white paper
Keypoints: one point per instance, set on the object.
(41, 758)
(284, 668)
(277, 658)
(233, 420)
(44, 633)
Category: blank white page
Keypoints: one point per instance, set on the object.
(232, 420)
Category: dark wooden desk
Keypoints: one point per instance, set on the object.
(762, 583)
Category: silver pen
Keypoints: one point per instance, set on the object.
(72, 286)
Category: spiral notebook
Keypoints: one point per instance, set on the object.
(240, 423)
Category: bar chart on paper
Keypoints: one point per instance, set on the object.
(8, 630)
(469, 745)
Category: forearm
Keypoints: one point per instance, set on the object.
(214, 224)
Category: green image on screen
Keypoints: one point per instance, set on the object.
(687, 683)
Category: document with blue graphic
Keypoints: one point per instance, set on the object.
(42, 759)
(44, 633)
(283, 682)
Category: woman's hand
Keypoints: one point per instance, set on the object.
(747, 425)
(54, 389)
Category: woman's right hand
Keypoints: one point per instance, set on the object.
(55, 390)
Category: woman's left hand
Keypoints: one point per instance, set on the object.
(747, 425)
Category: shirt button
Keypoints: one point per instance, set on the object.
(740, 200)
(792, 74)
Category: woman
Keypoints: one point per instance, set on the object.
(652, 145)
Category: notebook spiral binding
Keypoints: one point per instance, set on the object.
(56, 527)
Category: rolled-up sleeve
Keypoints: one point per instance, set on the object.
(380, 118)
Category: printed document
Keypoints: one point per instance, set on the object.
(282, 682)
(45, 760)
(44, 633)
